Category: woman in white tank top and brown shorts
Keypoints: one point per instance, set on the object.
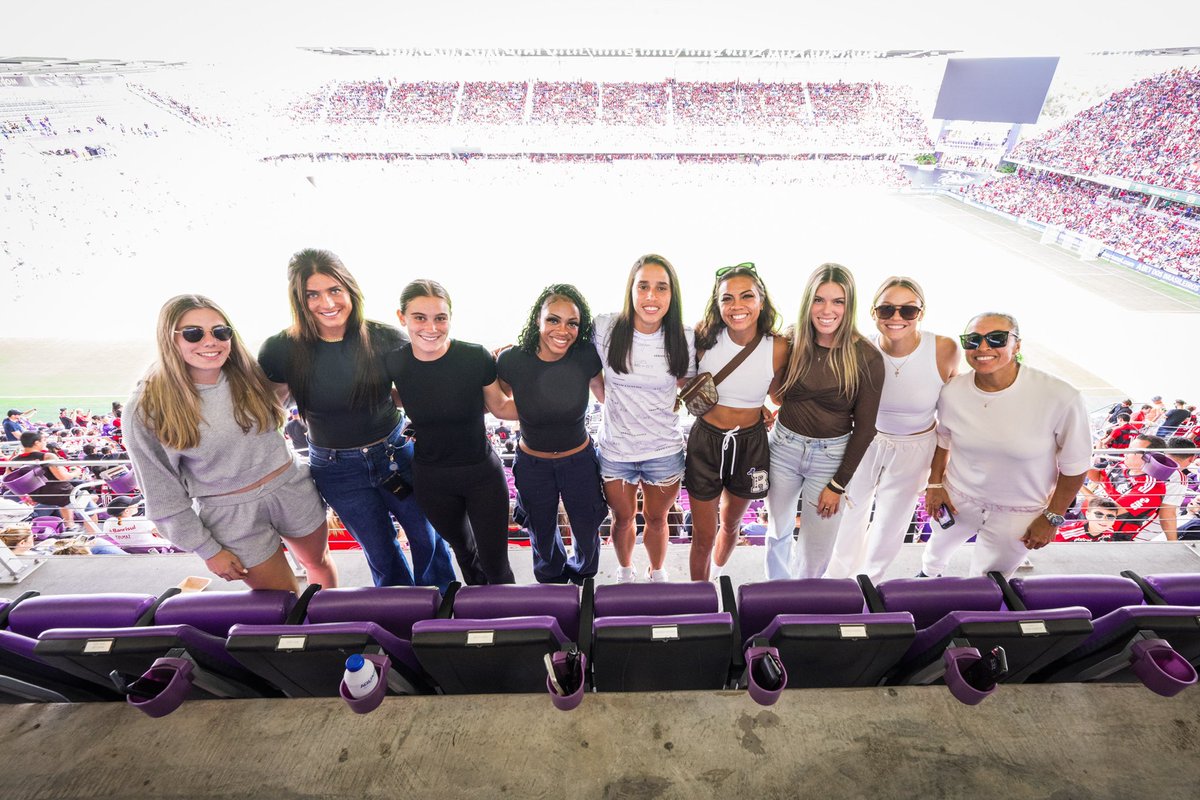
(895, 467)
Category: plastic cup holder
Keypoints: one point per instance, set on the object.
(956, 660)
(1161, 669)
(370, 701)
(760, 694)
(569, 701)
(162, 688)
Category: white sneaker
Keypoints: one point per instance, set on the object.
(657, 575)
(625, 575)
(1025, 565)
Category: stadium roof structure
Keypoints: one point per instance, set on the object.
(52, 65)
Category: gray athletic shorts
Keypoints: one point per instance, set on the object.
(249, 524)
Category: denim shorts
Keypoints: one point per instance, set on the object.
(661, 471)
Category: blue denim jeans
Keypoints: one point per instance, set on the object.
(540, 484)
(801, 466)
(350, 481)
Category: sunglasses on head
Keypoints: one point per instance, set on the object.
(745, 266)
(194, 333)
(887, 310)
(995, 339)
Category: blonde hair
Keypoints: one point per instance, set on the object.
(170, 404)
(843, 355)
(904, 282)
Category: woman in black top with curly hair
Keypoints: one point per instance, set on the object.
(547, 374)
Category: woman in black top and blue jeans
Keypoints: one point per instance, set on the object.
(445, 386)
(331, 361)
(548, 374)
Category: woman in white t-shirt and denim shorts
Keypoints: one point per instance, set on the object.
(647, 352)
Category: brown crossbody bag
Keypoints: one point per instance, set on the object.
(699, 394)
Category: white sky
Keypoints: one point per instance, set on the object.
(220, 29)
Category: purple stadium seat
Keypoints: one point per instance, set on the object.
(26, 675)
(821, 633)
(1125, 628)
(663, 637)
(23, 481)
(189, 626)
(972, 612)
(307, 660)
(497, 638)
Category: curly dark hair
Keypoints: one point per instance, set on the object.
(530, 334)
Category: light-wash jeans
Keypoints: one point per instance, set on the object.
(801, 467)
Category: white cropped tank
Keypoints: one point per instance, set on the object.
(911, 386)
(746, 386)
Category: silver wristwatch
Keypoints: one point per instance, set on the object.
(1055, 520)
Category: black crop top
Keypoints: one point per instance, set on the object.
(332, 421)
(551, 396)
(444, 401)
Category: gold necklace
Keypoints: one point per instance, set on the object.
(331, 341)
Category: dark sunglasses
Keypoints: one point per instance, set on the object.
(1104, 516)
(194, 333)
(745, 266)
(887, 310)
(995, 339)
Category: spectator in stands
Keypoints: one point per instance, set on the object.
(125, 529)
(1123, 406)
(828, 399)
(56, 492)
(13, 426)
(204, 438)
(330, 360)
(728, 461)
(66, 421)
(1189, 526)
(1139, 495)
(1120, 436)
(894, 470)
(548, 374)
(1164, 527)
(445, 386)
(646, 351)
(1013, 450)
(1174, 419)
(1097, 527)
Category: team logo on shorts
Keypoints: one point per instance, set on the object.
(758, 480)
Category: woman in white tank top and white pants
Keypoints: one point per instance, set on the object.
(896, 465)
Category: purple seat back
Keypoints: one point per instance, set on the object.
(1160, 466)
(715, 618)
(216, 612)
(1099, 594)
(930, 599)
(46, 527)
(393, 608)
(41, 613)
(655, 599)
(1177, 589)
(121, 480)
(539, 621)
(759, 603)
(560, 601)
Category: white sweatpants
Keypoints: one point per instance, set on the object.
(998, 533)
(892, 473)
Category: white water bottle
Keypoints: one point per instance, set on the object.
(360, 677)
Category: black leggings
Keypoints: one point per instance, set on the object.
(469, 508)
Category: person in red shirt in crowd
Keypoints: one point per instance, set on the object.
(1097, 527)
(1139, 418)
(1139, 494)
(1120, 436)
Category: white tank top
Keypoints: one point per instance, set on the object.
(746, 386)
(909, 398)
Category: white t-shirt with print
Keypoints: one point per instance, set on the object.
(639, 421)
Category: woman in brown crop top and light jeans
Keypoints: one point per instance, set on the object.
(828, 401)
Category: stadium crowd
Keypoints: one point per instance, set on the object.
(1145, 132)
(1168, 238)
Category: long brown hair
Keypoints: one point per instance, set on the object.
(370, 383)
(843, 355)
(170, 403)
(620, 341)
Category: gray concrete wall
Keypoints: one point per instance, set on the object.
(1055, 741)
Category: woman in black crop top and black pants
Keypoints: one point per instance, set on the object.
(331, 361)
(445, 386)
(548, 373)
